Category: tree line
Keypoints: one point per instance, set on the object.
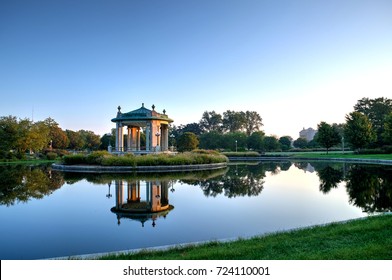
(232, 130)
(18, 136)
(368, 126)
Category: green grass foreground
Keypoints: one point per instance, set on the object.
(107, 159)
(363, 239)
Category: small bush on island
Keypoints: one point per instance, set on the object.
(107, 159)
(51, 156)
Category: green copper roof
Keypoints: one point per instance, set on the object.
(141, 114)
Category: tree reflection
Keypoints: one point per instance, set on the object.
(240, 180)
(20, 183)
(370, 187)
(329, 178)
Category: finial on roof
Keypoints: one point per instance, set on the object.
(119, 108)
(164, 111)
(153, 107)
(143, 105)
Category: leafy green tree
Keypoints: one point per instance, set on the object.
(300, 143)
(358, 130)
(191, 127)
(255, 141)
(375, 110)
(327, 135)
(285, 142)
(233, 121)
(234, 140)
(211, 121)
(76, 141)
(38, 137)
(56, 134)
(8, 134)
(90, 139)
(253, 122)
(270, 143)
(211, 140)
(187, 142)
(108, 139)
(387, 134)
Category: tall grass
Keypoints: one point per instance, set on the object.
(107, 159)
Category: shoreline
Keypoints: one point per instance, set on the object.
(130, 169)
(166, 248)
(347, 160)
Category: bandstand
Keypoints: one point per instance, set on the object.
(155, 126)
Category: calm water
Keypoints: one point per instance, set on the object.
(46, 214)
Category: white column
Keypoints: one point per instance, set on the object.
(117, 137)
(148, 138)
(165, 138)
(129, 139)
(138, 139)
(121, 138)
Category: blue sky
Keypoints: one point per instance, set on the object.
(294, 62)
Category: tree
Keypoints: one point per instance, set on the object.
(375, 110)
(8, 134)
(90, 139)
(358, 130)
(191, 127)
(327, 136)
(211, 140)
(285, 142)
(38, 137)
(255, 141)
(76, 142)
(211, 121)
(233, 121)
(56, 134)
(300, 143)
(234, 141)
(108, 139)
(187, 142)
(387, 134)
(253, 122)
(270, 143)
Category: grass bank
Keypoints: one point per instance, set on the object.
(364, 239)
(330, 155)
(32, 161)
(344, 156)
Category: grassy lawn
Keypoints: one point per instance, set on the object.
(341, 155)
(364, 239)
(31, 161)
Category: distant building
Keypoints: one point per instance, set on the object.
(307, 134)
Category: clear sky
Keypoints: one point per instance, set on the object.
(294, 62)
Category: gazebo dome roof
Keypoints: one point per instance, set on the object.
(141, 114)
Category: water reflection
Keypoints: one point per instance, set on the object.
(155, 204)
(161, 209)
(368, 186)
(20, 183)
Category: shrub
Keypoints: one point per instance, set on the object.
(97, 157)
(241, 154)
(51, 156)
(106, 159)
(75, 159)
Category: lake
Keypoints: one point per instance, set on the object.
(49, 214)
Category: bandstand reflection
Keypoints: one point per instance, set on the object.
(142, 201)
